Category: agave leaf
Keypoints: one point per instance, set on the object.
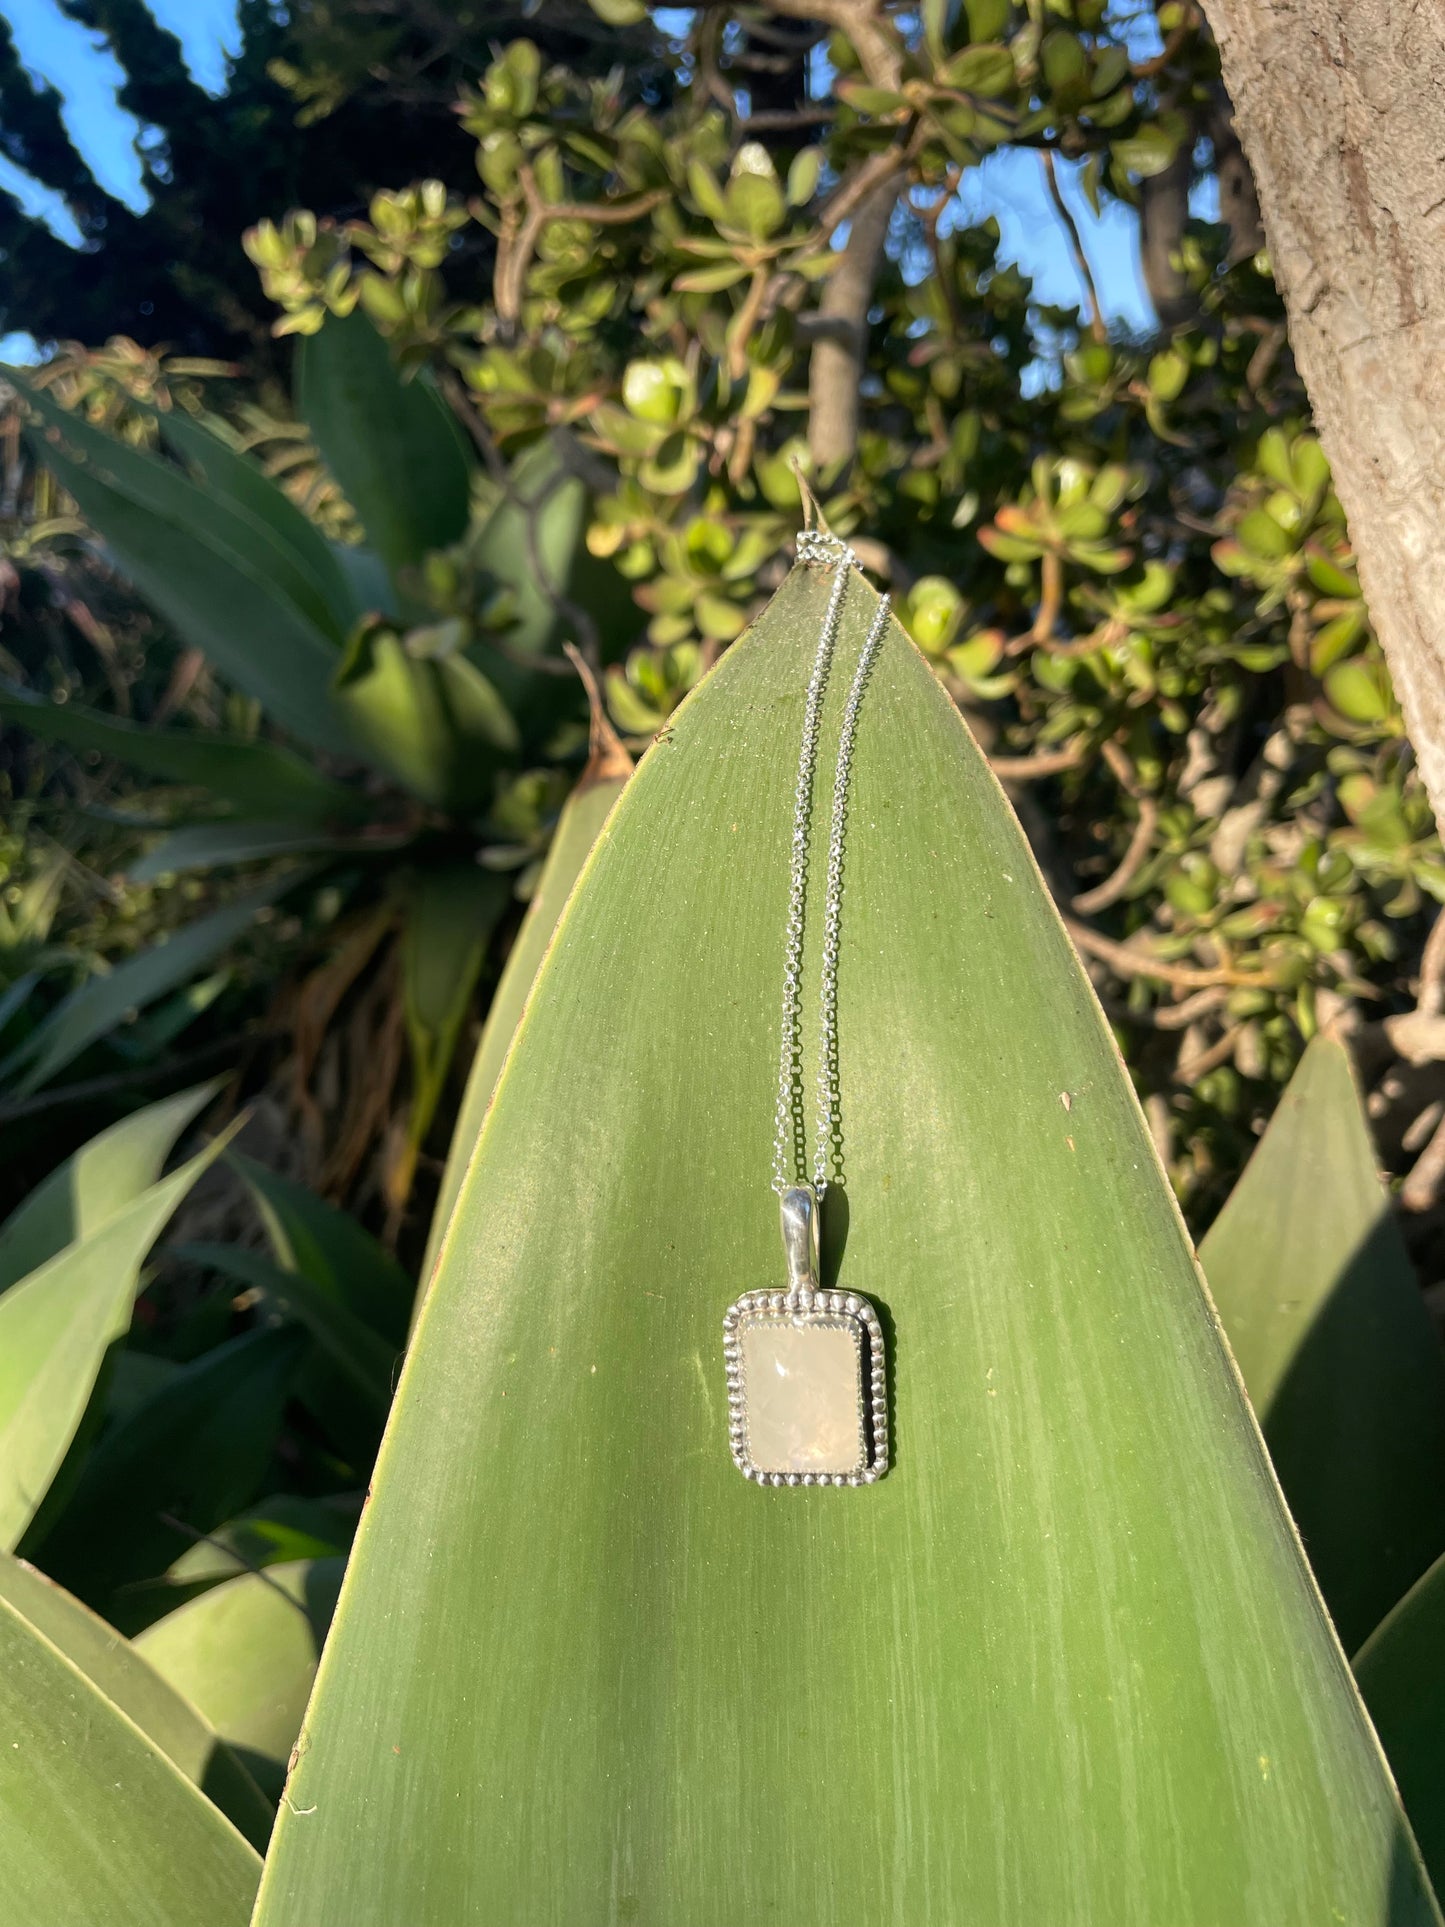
(370, 586)
(578, 828)
(274, 1531)
(206, 846)
(438, 726)
(244, 625)
(55, 1327)
(190, 1457)
(222, 591)
(309, 1235)
(97, 1006)
(393, 445)
(97, 1823)
(536, 530)
(114, 1667)
(195, 511)
(367, 1361)
(450, 915)
(244, 484)
(149, 1037)
(1065, 1663)
(245, 1654)
(255, 776)
(100, 1180)
(1319, 1299)
(1401, 1670)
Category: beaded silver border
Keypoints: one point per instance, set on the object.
(834, 1304)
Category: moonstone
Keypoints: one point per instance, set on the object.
(802, 1392)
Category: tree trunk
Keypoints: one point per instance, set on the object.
(1341, 108)
(839, 332)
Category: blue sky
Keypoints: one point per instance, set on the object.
(1009, 185)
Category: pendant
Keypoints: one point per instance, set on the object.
(807, 1388)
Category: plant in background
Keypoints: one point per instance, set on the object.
(578, 1404)
(1124, 557)
(575, 409)
(421, 667)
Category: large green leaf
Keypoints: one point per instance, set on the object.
(55, 1327)
(393, 445)
(216, 844)
(245, 1654)
(115, 1668)
(1401, 1670)
(225, 601)
(195, 510)
(578, 828)
(246, 486)
(439, 726)
(534, 543)
(101, 1003)
(1064, 1664)
(255, 776)
(100, 1180)
(367, 1360)
(191, 1456)
(1319, 1300)
(97, 1824)
(309, 1235)
(276, 1530)
(536, 531)
(451, 913)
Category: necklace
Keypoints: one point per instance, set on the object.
(807, 1388)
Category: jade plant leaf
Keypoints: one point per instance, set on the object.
(97, 1823)
(1065, 1663)
(116, 1669)
(1317, 1294)
(245, 1653)
(1401, 1670)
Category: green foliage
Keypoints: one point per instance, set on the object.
(578, 1624)
(560, 384)
(125, 1678)
(1403, 1683)
(1134, 576)
(244, 1654)
(56, 1324)
(1323, 1311)
(343, 95)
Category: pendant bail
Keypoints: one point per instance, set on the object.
(799, 1212)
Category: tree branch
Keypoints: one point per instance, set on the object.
(1076, 247)
(877, 45)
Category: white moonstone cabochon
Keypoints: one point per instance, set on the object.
(802, 1391)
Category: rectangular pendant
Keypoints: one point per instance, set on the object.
(807, 1390)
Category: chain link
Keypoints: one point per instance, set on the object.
(789, 1142)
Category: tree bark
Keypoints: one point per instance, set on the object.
(839, 331)
(1341, 108)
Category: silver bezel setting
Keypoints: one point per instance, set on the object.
(834, 1307)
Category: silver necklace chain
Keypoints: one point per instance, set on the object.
(789, 1143)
